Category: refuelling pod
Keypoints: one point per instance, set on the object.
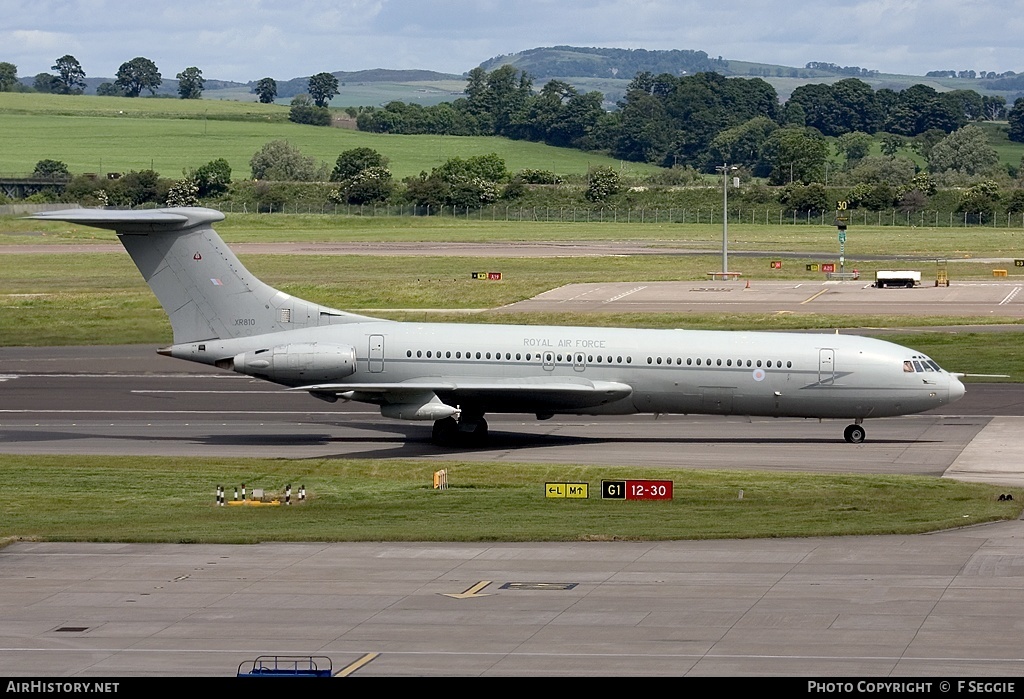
(425, 406)
(300, 363)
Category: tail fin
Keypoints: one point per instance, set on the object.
(206, 292)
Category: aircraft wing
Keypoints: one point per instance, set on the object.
(537, 393)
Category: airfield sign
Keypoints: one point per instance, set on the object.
(636, 490)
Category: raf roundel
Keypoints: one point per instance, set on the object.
(759, 374)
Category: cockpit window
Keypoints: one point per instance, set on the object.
(920, 364)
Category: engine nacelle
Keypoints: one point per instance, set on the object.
(300, 363)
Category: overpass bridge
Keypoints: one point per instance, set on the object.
(20, 187)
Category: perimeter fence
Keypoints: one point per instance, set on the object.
(546, 214)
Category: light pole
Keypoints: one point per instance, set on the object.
(725, 169)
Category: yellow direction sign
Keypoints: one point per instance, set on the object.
(567, 490)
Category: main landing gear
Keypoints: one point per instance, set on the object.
(467, 430)
(854, 434)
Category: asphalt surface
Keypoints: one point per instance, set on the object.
(977, 299)
(887, 606)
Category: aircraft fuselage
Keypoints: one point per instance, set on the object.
(670, 371)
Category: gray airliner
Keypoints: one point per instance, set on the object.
(455, 373)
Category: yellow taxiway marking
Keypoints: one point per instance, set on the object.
(349, 669)
(471, 592)
(823, 291)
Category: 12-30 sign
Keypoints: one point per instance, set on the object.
(636, 490)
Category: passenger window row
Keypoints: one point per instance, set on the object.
(599, 359)
(690, 361)
(519, 356)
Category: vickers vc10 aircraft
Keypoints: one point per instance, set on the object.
(455, 373)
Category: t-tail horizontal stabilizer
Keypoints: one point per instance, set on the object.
(205, 291)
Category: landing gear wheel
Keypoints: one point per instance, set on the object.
(479, 433)
(445, 431)
(854, 434)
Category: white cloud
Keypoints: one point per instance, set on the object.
(248, 39)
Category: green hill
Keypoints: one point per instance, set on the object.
(119, 134)
(614, 68)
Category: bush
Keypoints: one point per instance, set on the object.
(603, 183)
(279, 160)
(352, 162)
(534, 176)
(303, 111)
(675, 176)
(464, 184)
(84, 189)
(490, 167)
(53, 169)
(427, 190)
(184, 192)
(807, 198)
(979, 201)
(1015, 204)
(514, 189)
(879, 197)
(135, 188)
(270, 197)
(366, 187)
(213, 179)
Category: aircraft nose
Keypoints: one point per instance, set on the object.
(956, 389)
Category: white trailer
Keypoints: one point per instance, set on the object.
(905, 278)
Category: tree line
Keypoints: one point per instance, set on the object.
(282, 176)
(141, 74)
(695, 120)
(579, 61)
(133, 76)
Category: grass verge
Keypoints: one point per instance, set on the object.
(157, 499)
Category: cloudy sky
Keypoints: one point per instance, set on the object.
(248, 39)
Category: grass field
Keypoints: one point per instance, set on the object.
(173, 500)
(118, 134)
(955, 245)
(360, 94)
(103, 134)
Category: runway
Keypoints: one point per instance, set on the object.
(148, 404)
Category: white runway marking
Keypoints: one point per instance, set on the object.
(625, 294)
(1009, 296)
